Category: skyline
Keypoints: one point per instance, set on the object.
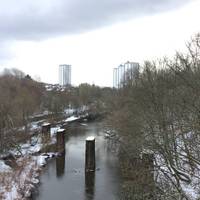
(120, 73)
(126, 30)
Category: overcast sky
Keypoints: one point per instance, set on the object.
(94, 36)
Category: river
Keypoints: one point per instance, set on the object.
(64, 177)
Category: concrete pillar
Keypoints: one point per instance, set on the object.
(60, 138)
(89, 184)
(46, 135)
(46, 127)
(90, 154)
(60, 165)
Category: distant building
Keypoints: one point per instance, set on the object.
(65, 74)
(120, 73)
(115, 77)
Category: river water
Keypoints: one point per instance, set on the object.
(64, 177)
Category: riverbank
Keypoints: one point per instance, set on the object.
(20, 168)
(19, 180)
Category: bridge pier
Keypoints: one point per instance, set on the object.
(90, 154)
(46, 132)
(60, 138)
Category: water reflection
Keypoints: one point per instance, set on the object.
(60, 165)
(89, 185)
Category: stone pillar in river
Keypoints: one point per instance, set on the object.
(90, 184)
(60, 165)
(90, 154)
(60, 139)
(46, 132)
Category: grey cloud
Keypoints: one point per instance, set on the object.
(41, 19)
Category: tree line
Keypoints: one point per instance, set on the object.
(157, 112)
(22, 98)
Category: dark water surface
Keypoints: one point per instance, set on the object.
(64, 177)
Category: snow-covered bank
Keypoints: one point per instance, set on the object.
(74, 118)
(18, 180)
(4, 168)
(21, 167)
(71, 119)
(17, 183)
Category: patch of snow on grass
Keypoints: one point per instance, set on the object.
(41, 160)
(190, 191)
(4, 167)
(19, 183)
(35, 149)
(12, 194)
(34, 126)
(26, 149)
(72, 118)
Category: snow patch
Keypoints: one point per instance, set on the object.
(91, 138)
(71, 119)
(60, 130)
(46, 124)
(4, 168)
(12, 194)
(41, 160)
